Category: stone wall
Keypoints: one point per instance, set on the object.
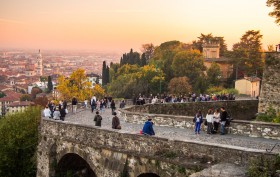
(238, 109)
(270, 89)
(240, 127)
(106, 151)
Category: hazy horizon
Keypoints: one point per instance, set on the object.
(118, 26)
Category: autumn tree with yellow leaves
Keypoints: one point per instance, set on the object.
(76, 85)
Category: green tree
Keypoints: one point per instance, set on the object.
(214, 74)
(50, 84)
(179, 85)
(247, 54)
(2, 94)
(104, 74)
(188, 63)
(276, 10)
(77, 85)
(18, 143)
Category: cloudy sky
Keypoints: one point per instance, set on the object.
(118, 25)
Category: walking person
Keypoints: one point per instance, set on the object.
(85, 103)
(223, 116)
(216, 120)
(148, 128)
(198, 119)
(209, 119)
(74, 105)
(93, 103)
(97, 119)
(113, 106)
(62, 114)
(116, 122)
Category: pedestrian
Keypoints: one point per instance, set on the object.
(223, 116)
(198, 119)
(216, 119)
(93, 103)
(74, 105)
(122, 104)
(62, 114)
(116, 122)
(148, 128)
(47, 112)
(209, 119)
(56, 114)
(113, 106)
(97, 119)
(85, 103)
(102, 106)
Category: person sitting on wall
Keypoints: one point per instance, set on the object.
(148, 128)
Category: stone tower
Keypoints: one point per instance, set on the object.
(39, 64)
(270, 89)
(211, 50)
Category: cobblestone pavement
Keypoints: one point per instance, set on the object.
(85, 117)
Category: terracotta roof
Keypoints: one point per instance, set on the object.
(10, 96)
(252, 79)
(22, 103)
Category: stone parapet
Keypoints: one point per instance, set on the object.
(238, 127)
(238, 109)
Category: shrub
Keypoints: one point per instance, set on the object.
(269, 116)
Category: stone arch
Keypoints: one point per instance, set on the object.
(74, 165)
(82, 152)
(148, 175)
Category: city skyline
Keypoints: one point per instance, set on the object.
(117, 26)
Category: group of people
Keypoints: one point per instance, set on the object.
(214, 119)
(101, 104)
(191, 97)
(56, 112)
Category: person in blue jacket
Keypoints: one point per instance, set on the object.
(148, 128)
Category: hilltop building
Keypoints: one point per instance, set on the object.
(211, 53)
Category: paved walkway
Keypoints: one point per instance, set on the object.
(258, 144)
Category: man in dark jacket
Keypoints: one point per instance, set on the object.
(116, 122)
(148, 128)
(223, 116)
(62, 114)
(97, 119)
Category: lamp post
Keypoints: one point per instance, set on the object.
(157, 69)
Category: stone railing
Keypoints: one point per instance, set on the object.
(146, 146)
(238, 109)
(240, 127)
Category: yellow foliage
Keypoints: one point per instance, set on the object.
(98, 91)
(76, 85)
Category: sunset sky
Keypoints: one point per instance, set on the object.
(118, 25)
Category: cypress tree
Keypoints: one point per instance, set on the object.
(104, 73)
(50, 84)
(107, 75)
(143, 59)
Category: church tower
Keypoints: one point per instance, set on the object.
(39, 65)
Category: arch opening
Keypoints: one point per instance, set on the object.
(148, 175)
(73, 165)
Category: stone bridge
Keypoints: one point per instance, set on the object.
(76, 147)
